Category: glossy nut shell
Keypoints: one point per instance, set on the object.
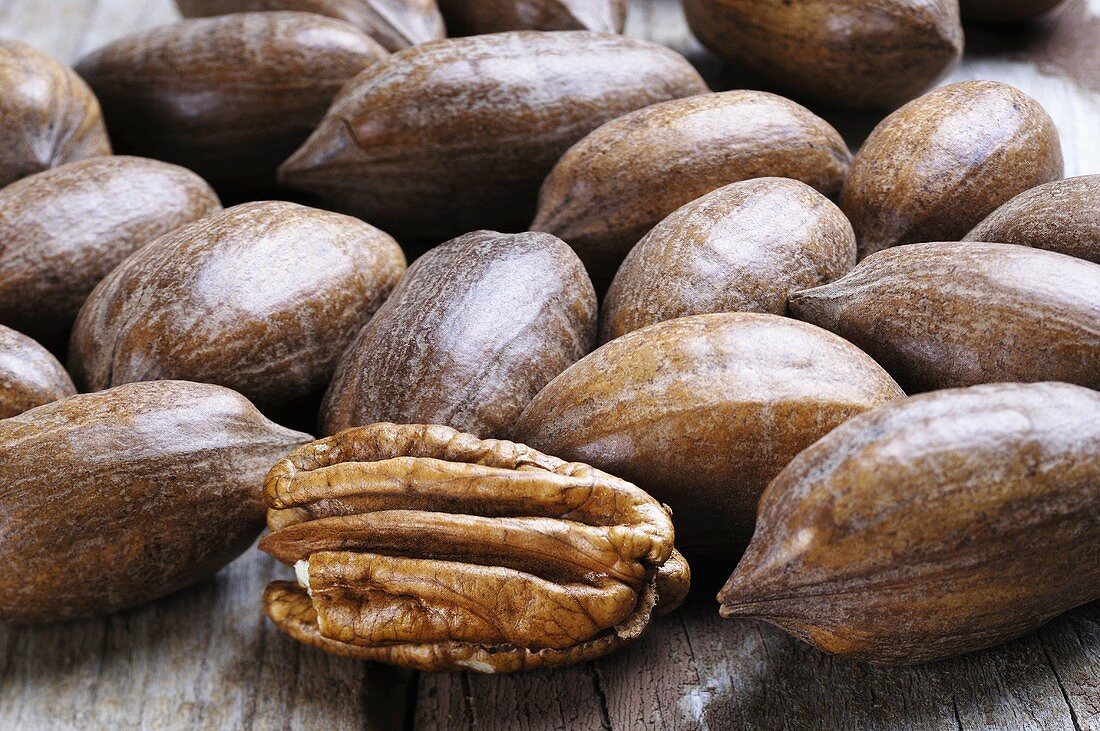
(29, 375)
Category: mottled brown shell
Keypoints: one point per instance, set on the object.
(999, 11)
(703, 411)
(456, 135)
(941, 315)
(850, 53)
(228, 97)
(48, 115)
(933, 526)
(471, 17)
(63, 230)
(936, 167)
(29, 375)
(426, 547)
(395, 24)
(474, 330)
(617, 183)
(1062, 216)
(113, 499)
(742, 248)
(262, 298)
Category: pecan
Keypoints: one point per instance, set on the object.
(427, 547)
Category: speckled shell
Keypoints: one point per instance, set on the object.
(456, 135)
(262, 298)
(741, 248)
(48, 115)
(63, 230)
(395, 24)
(1062, 216)
(617, 183)
(468, 337)
(703, 411)
(936, 167)
(228, 97)
(470, 17)
(113, 499)
(941, 315)
(933, 526)
(1006, 10)
(29, 375)
(848, 53)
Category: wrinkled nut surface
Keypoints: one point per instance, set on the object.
(474, 330)
(933, 526)
(29, 375)
(48, 115)
(65, 229)
(228, 97)
(935, 168)
(471, 17)
(426, 547)
(942, 315)
(617, 183)
(742, 248)
(1063, 216)
(262, 298)
(849, 53)
(115, 498)
(395, 24)
(703, 411)
(1000, 11)
(456, 135)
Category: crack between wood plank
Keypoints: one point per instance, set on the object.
(467, 701)
(1061, 685)
(955, 710)
(597, 684)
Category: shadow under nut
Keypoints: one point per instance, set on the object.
(742, 248)
(1062, 216)
(847, 53)
(262, 298)
(702, 412)
(456, 135)
(48, 115)
(616, 184)
(942, 315)
(933, 526)
(395, 24)
(29, 375)
(229, 97)
(935, 168)
(1000, 11)
(474, 330)
(88, 532)
(65, 229)
(472, 17)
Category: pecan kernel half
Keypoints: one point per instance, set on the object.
(427, 547)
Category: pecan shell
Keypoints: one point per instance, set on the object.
(427, 547)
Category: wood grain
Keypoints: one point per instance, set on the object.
(206, 657)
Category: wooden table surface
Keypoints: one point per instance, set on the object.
(206, 657)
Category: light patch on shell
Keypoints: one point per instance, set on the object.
(301, 570)
(477, 666)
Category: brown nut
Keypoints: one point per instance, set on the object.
(456, 135)
(849, 53)
(936, 167)
(1062, 216)
(63, 230)
(395, 24)
(471, 17)
(942, 315)
(617, 183)
(474, 330)
(113, 499)
(999, 11)
(228, 97)
(426, 547)
(262, 298)
(703, 411)
(741, 248)
(933, 526)
(48, 115)
(29, 375)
